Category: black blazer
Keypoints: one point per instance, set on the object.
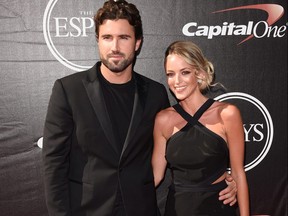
(82, 167)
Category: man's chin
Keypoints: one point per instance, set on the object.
(115, 66)
(116, 70)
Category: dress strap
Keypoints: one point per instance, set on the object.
(192, 119)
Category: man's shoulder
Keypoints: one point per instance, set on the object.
(147, 80)
(79, 76)
(74, 76)
(156, 91)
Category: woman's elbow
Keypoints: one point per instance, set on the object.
(157, 179)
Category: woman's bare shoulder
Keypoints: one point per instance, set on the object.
(167, 121)
(226, 110)
(165, 115)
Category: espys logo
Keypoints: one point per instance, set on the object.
(70, 28)
(258, 126)
(260, 29)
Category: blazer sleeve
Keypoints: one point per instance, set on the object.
(58, 130)
(165, 98)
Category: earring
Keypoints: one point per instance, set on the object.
(199, 81)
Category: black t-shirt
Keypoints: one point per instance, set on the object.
(119, 99)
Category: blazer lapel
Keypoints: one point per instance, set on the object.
(138, 108)
(93, 89)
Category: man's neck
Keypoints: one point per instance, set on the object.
(116, 78)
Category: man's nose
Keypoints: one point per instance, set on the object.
(115, 45)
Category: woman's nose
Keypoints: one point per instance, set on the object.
(177, 79)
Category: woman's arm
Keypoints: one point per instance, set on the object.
(235, 138)
(158, 157)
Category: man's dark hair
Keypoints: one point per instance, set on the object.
(119, 9)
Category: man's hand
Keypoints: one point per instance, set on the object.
(228, 195)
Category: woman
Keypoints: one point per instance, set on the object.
(196, 138)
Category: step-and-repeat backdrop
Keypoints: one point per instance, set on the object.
(44, 40)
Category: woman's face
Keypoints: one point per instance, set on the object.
(181, 77)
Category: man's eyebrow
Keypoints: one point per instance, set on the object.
(120, 35)
(124, 35)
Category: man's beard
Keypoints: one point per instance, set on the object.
(117, 66)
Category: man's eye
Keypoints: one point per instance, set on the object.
(106, 37)
(124, 37)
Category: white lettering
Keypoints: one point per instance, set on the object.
(202, 31)
(86, 13)
(214, 31)
(250, 28)
(256, 27)
(281, 29)
(74, 27)
(240, 30)
(256, 128)
(185, 29)
(87, 23)
(230, 29)
(257, 131)
(58, 26)
(246, 132)
(192, 29)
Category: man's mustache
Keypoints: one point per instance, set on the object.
(116, 54)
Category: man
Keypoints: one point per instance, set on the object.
(98, 131)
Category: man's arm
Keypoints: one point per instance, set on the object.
(228, 195)
(56, 147)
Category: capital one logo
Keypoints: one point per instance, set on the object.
(71, 27)
(257, 125)
(260, 29)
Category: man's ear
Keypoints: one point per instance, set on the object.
(138, 45)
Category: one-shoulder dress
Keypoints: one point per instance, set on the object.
(197, 157)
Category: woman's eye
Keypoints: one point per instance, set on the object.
(185, 72)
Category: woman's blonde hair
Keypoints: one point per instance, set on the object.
(193, 55)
